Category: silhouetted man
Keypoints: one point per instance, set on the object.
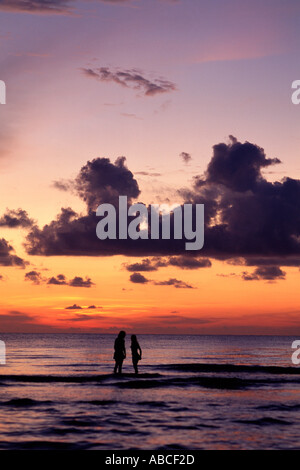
(120, 352)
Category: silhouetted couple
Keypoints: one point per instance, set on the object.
(120, 352)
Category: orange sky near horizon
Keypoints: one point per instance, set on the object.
(215, 304)
(56, 119)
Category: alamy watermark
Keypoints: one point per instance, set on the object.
(2, 353)
(2, 92)
(296, 354)
(296, 93)
(152, 222)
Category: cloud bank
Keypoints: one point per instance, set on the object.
(248, 220)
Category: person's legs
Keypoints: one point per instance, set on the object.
(120, 366)
(135, 363)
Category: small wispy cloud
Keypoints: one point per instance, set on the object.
(47, 7)
(60, 280)
(266, 273)
(186, 157)
(79, 307)
(132, 78)
(138, 278)
(174, 282)
(15, 219)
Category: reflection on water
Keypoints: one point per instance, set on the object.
(194, 392)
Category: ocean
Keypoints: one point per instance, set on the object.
(193, 392)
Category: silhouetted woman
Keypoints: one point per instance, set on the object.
(136, 353)
(120, 352)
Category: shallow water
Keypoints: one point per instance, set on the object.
(193, 392)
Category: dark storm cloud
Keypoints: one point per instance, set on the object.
(16, 218)
(138, 278)
(131, 79)
(144, 265)
(238, 166)
(183, 262)
(78, 281)
(187, 262)
(174, 282)
(78, 307)
(267, 273)
(186, 157)
(102, 181)
(246, 216)
(99, 181)
(45, 7)
(7, 258)
(248, 220)
(73, 307)
(59, 280)
(34, 276)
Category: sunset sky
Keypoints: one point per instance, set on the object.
(160, 82)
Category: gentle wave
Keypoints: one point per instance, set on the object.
(222, 383)
(267, 421)
(279, 407)
(231, 368)
(149, 381)
(24, 402)
(44, 445)
(68, 378)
